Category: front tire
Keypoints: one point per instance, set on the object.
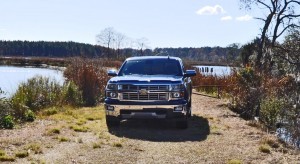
(112, 121)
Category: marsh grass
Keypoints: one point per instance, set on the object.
(63, 139)
(34, 147)
(53, 131)
(2, 152)
(265, 148)
(22, 154)
(7, 158)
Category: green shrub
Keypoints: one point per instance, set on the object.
(270, 110)
(29, 115)
(8, 122)
(71, 94)
(5, 108)
(37, 93)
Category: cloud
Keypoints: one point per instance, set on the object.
(226, 18)
(244, 18)
(211, 10)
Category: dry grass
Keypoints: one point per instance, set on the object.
(7, 159)
(215, 135)
(22, 154)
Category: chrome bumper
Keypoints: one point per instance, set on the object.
(142, 110)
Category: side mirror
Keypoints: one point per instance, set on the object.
(190, 73)
(112, 73)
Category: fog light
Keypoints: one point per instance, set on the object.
(180, 108)
(111, 108)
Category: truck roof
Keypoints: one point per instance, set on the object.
(153, 57)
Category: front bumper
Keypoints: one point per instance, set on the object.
(146, 111)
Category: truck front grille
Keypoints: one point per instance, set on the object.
(149, 96)
(147, 87)
(153, 92)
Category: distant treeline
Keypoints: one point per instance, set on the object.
(222, 55)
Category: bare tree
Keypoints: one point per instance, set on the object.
(142, 44)
(106, 38)
(119, 42)
(281, 16)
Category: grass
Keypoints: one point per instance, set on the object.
(117, 144)
(22, 154)
(97, 145)
(63, 139)
(271, 142)
(53, 131)
(79, 128)
(7, 158)
(2, 153)
(34, 147)
(265, 148)
(234, 161)
(51, 111)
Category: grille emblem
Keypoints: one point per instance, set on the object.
(143, 92)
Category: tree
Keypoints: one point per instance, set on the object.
(142, 44)
(119, 42)
(106, 38)
(281, 16)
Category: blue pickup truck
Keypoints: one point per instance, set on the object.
(149, 87)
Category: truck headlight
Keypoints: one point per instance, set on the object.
(112, 87)
(176, 87)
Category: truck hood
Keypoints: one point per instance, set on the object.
(146, 79)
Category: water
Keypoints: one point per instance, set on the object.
(214, 70)
(11, 77)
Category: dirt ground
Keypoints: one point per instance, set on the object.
(215, 135)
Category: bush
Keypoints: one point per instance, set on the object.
(270, 110)
(91, 78)
(37, 93)
(71, 94)
(8, 122)
(246, 92)
(29, 116)
(5, 108)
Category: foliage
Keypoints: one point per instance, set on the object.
(29, 115)
(37, 93)
(5, 108)
(270, 111)
(71, 94)
(91, 78)
(246, 92)
(8, 122)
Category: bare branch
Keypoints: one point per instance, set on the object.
(264, 4)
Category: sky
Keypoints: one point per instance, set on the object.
(165, 23)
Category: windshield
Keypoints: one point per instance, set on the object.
(151, 67)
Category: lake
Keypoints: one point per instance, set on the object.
(214, 70)
(12, 76)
